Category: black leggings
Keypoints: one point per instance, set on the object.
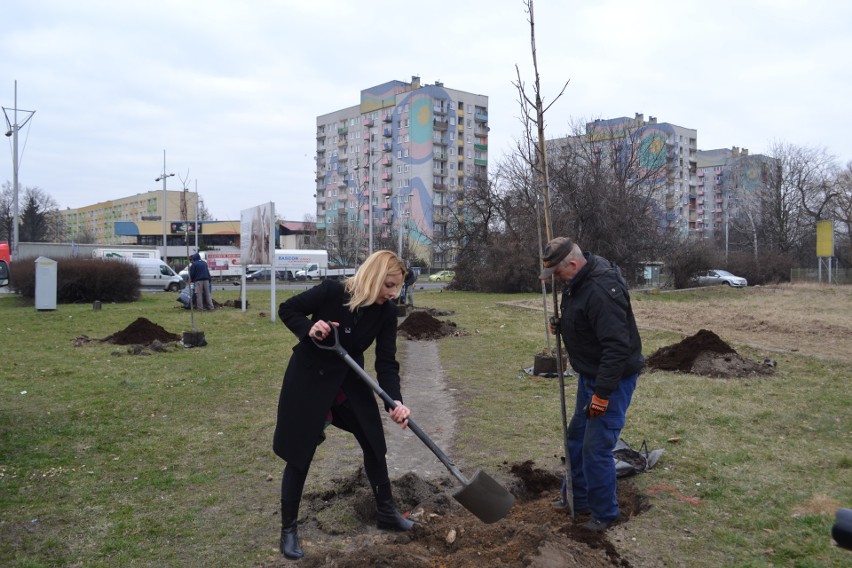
(376, 468)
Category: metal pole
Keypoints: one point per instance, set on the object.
(165, 198)
(196, 214)
(15, 211)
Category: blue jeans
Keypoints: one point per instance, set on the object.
(590, 445)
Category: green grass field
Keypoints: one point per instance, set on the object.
(164, 459)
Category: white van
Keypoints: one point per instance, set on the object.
(154, 273)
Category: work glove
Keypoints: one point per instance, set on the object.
(597, 407)
(554, 325)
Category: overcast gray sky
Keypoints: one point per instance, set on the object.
(231, 89)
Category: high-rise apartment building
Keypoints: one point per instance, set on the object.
(392, 170)
(697, 191)
(728, 181)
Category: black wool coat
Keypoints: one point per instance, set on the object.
(314, 375)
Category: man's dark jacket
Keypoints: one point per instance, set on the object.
(314, 376)
(598, 326)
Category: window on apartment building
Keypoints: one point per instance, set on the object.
(399, 153)
(452, 166)
(399, 169)
(405, 152)
(469, 123)
(469, 139)
(451, 105)
(452, 135)
(452, 121)
(407, 168)
(405, 123)
(469, 108)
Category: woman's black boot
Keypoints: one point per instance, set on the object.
(387, 514)
(290, 546)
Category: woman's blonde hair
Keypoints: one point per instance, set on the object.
(364, 288)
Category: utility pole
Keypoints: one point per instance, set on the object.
(165, 199)
(13, 128)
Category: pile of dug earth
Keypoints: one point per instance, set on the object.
(535, 533)
(141, 338)
(421, 324)
(706, 354)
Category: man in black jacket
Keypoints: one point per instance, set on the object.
(604, 348)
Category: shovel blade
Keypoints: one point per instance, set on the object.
(485, 498)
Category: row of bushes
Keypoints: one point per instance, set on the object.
(81, 281)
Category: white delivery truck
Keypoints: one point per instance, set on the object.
(154, 273)
(291, 261)
(223, 265)
(125, 253)
(312, 271)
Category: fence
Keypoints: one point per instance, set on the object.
(838, 275)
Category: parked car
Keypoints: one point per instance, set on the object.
(711, 277)
(442, 276)
(264, 274)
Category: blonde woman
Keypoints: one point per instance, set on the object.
(320, 389)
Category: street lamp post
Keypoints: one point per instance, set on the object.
(13, 128)
(162, 178)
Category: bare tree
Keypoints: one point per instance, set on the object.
(39, 221)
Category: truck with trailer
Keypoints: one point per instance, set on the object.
(289, 261)
(312, 271)
(223, 265)
(125, 253)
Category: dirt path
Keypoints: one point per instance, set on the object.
(433, 409)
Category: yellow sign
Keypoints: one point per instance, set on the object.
(825, 238)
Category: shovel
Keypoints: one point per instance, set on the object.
(481, 494)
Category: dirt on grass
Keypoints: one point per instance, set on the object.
(535, 533)
(421, 324)
(706, 354)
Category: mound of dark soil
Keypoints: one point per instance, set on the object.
(420, 324)
(534, 533)
(141, 332)
(706, 354)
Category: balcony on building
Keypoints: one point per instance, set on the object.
(480, 117)
(342, 142)
(483, 147)
(343, 158)
(320, 135)
(439, 109)
(366, 135)
(387, 176)
(365, 150)
(368, 122)
(365, 179)
(440, 156)
(387, 147)
(386, 190)
(440, 124)
(386, 221)
(342, 130)
(386, 205)
(701, 174)
(387, 132)
(342, 184)
(320, 197)
(320, 151)
(387, 161)
(438, 140)
(480, 162)
(439, 186)
(387, 117)
(461, 156)
(480, 131)
(365, 208)
(461, 127)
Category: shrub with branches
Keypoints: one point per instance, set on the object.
(80, 281)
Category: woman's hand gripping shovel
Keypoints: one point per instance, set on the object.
(481, 494)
